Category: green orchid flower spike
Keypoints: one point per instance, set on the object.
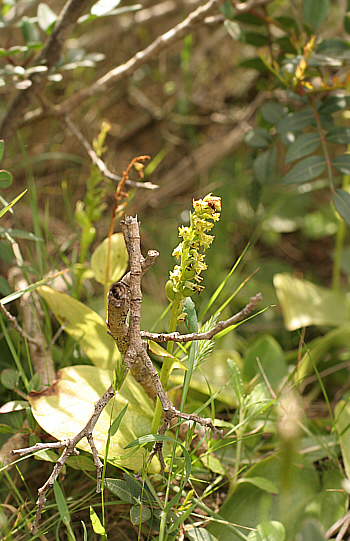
(185, 278)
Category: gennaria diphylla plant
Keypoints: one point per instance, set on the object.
(124, 302)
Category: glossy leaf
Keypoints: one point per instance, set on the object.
(14, 405)
(46, 17)
(341, 201)
(304, 303)
(315, 12)
(233, 29)
(6, 179)
(258, 138)
(307, 169)
(342, 163)
(273, 112)
(340, 136)
(118, 259)
(103, 7)
(295, 122)
(303, 145)
(66, 406)
(83, 325)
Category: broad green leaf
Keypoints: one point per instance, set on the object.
(6, 179)
(342, 163)
(304, 145)
(2, 149)
(256, 39)
(46, 17)
(118, 259)
(333, 47)
(273, 112)
(83, 325)
(258, 138)
(340, 136)
(341, 201)
(249, 18)
(315, 12)
(268, 531)
(9, 378)
(212, 463)
(29, 31)
(332, 502)
(81, 462)
(6, 429)
(271, 357)
(96, 524)
(139, 514)
(104, 6)
(264, 165)
(307, 169)
(245, 504)
(262, 483)
(304, 303)
(295, 122)
(125, 491)
(65, 407)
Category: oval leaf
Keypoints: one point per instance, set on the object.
(103, 7)
(83, 325)
(264, 165)
(258, 138)
(340, 136)
(118, 259)
(304, 145)
(306, 170)
(6, 179)
(295, 122)
(273, 112)
(342, 163)
(341, 200)
(139, 514)
(46, 17)
(65, 407)
(315, 12)
(303, 303)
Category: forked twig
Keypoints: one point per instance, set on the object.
(125, 298)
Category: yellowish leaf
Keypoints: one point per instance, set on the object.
(118, 259)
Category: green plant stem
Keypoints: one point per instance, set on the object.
(167, 363)
(339, 243)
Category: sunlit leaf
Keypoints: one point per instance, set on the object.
(341, 200)
(14, 405)
(268, 531)
(118, 259)
(304, 303)
(233, 29)
(262, 483)
(84, 325)
(304, 145)
(96, 524)
(104, 6)
(158, 350)
(307, 169)
(65, 407)
(46, 17)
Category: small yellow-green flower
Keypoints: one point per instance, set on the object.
(185, 278)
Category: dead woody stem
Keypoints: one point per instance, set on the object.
(125, 298)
